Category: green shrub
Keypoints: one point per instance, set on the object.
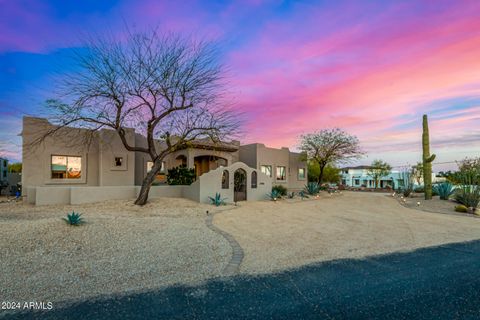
(468, 192)
(406, 192)
(461, 208)
(444, 190)
(468, 195)
(274, 195)
(218, 200)
(180, 176)
(302, 194)
(280, 189)
(421, 189)
(312, 188)
(74, 219)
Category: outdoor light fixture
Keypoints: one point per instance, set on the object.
(418, 204)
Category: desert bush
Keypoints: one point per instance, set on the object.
(218, 200)
(468, 195)
(406, 192)
(461, 208)
(468, 192)
(312, 188)
(302, 194)
(280, 189)
(180, 176)
(420, 189)
(274, 195)
(74, 219)
(444, 190)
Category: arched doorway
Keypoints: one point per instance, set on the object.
(240, 185)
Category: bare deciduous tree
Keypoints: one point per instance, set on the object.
(164, 86)
(330, 146)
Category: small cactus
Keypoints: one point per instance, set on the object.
(427, 160)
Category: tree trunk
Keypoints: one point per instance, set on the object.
(320, 175)
(147, 183)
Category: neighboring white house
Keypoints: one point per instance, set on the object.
(359, 177)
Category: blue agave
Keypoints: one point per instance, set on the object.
(274, 195)
(444, 190)
(312, 188)
(74, 219)
(218, 200)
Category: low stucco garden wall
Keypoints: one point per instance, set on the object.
(80, 195)
(207, 185)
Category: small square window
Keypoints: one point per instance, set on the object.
(281, 173)
(301, 173)
(118, 161)
(266, 169)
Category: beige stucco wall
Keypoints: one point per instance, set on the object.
(36, 157)
(257, 154)
(110, 146)
(210, 183)
(295, 162)
(45, 195)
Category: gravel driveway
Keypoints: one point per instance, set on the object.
(283, 234)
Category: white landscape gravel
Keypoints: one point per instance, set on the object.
(121, 248)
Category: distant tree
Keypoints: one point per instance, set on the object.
(378, 170)
(330, 147)
(15, 167)
(417, 172)
(166, 87)
(330, 173)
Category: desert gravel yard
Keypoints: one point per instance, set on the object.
(122, 248)
(279, 235)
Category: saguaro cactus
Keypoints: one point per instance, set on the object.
(427, 160)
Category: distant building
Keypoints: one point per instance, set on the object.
(358, 177)
(3, 169)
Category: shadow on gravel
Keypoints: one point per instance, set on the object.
(433, 283)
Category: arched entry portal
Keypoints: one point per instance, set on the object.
(240, 185)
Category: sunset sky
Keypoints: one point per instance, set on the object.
(371, 68)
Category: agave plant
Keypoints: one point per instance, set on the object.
(218, 200)
(444, 190)
(274, 195)
(302, 194)
(312, 188)
(74, 219)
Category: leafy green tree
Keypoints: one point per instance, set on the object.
(328, 147)
(378, 170)
(330, 173)
(15, 167)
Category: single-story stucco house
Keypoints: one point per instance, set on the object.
(68, 168)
